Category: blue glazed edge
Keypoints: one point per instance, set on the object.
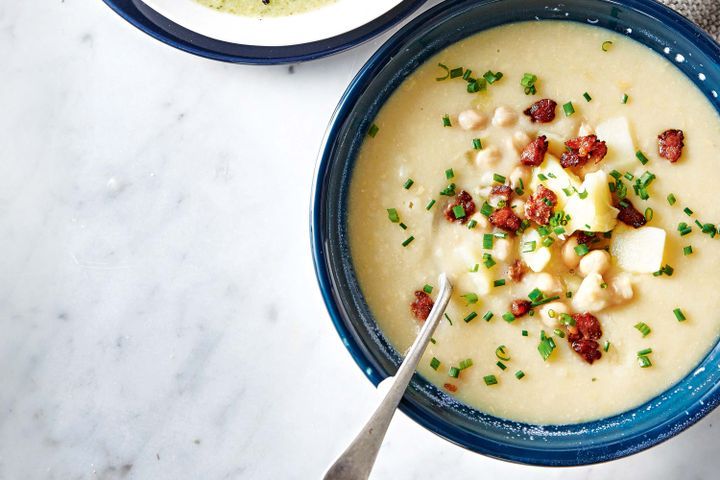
(174, 35)
(591, 452)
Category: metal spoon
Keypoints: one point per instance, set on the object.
(356, 462)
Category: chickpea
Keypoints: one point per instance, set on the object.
(550, 313)
(504, 117)
(622, 288)
(520, 140)
(520, 173)
(502, 249)
(488, 157)
(569, 256)
(597, 261)
(548, 283)
(472, 120)
(518, 206)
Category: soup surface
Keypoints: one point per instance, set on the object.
(581, 237)
(258, 8)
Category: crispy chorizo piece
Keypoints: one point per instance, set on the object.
(670, 144)
(517, 270)
(520, 307)
(450, 387)
(586, 238)
(503, 191)
(534, 153)
(539, 207)
(421, 306)
(466, 201)
(505, 219)
(582, 150)
(583, 338)
(542, 111)
(629, 215)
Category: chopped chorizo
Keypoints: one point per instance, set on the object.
(583, 338)
(670, 144)
(422, 305)
(539, 207)
(629, 215)
(503, 191)
(465, 200)
(450, 387)
(520, 307)
(582, 150)
(534, 153)
(517, 271)
(585, 238)
(542, 111)
(505, 219)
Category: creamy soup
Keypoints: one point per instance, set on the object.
(564, 177)
(259, 8)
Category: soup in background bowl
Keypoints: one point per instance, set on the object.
(420, 163)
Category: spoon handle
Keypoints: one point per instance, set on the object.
(356, 462)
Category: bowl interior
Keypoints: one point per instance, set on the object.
(647, 22)
(328, 21)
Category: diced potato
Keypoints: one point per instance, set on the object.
(557, 178)
(556, 143)
(538, 259)
(621, 147)
(639, 250)
(595, 212)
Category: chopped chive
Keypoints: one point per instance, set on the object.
(606, 45)
(499, 283)
(529, 247)
(499, 178)
(477, 144)
(524, 333)
(487, 241)
(466, 75)
(587, 97)
(446, 121)
(582, 250)
(559, 333)
(568, 294)
(688, 212)
(472, 224)
(606, 346)
(490, 380)
(428, 288)
(403, 226)
(433, 341)
(501, 354)
(500, 234)
(568, 109)
(535, 294)
(434, 363)
(449, 173)
(486, 209)
(641, 156)
(488, 315)
(546, 347)
(501, 365)
(679, 315)
(470, 298)
(548, 241)
(447, 317)
(649, 213)
(567, 319)
(643, 328)
(687, 250)
(467, 363)
(541, 177)
(488, 261)
(448, 191)
(671, 199)
(629, 175)
(615, 174)
(644, 362)
(447, 73)
(625, 98)
(454, 372)
(408, 241)
(491, 77)
(645, 351)
(458, 211)
(544, 301)
(470, 317)
(508, 317)
(408, 183)
(456, 72)
(373, 130)
(393, 215)
(519, 374)
(430, 204)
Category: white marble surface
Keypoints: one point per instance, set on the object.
(159, 313)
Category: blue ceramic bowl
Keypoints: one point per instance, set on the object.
(659, 419)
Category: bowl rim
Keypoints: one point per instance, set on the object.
(666, 429)
(147, 20)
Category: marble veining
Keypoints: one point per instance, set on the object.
(158, 307)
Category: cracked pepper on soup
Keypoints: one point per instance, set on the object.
(565, 178)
